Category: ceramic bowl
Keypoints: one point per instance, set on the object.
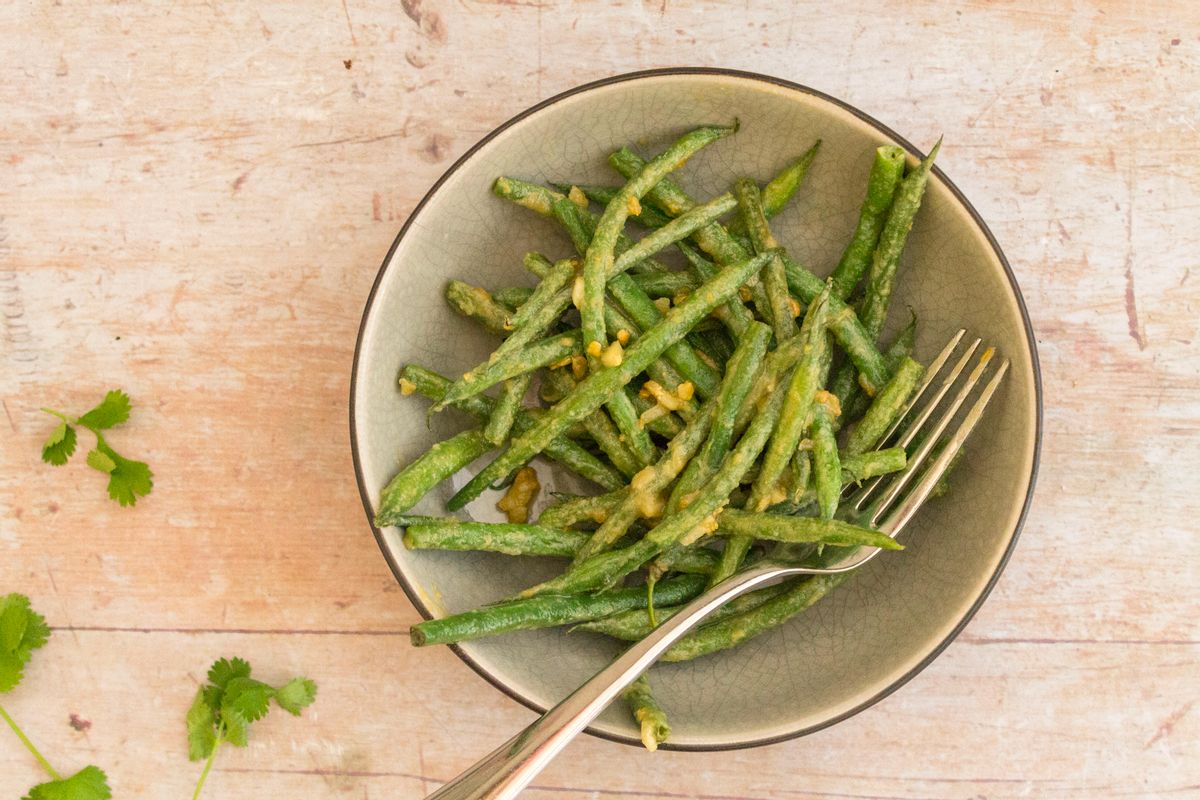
(890, 621)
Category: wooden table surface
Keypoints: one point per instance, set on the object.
(195, 200)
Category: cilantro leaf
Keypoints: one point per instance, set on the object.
(22, 630)
(96, 459)
(234, 729)
(112, 411)
(59, 446)
(225, 707)
(127, 480)
(295, 695)
(247, 698)
(224, 670)
(90, 783)
(201, 727)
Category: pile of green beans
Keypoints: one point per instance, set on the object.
(719, 394)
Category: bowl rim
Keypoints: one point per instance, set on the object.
(1031, 341)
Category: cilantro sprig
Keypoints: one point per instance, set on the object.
(225, 707)
(23, 630)
(127, 479)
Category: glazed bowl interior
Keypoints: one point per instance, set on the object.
(872, 634)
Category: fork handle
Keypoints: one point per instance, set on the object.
(502, 774)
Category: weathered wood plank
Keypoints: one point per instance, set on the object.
(193, 203)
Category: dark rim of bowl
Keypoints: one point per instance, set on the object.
(424, 610)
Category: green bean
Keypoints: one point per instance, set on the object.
(541, 200)
(660, 369)
(855, 403)
(902, 345)
(531, 320)
(649, 216)
(845, 326)
(639, 306)
(779, 300)
(885, 408)
(826, 467)
(740, 374)
(774, 612)
(512, 297)
(712, 239)
(714, 343)
(665, 284)
(581, 509)
(599, 426)
(798, 403)
(860, 467)
(538, 264)
(599, 259)
(703, 431)
(786, 436)
(534, 356)
(630, 626)
(504, 413)
(498, 537)
(780, 189)
(882, 275)
(801, 474)
(428, 470)
(886, 172)
(561, 449)
(734, 314)
(807, 530)
(942, 487)
(646, 487)
(546, 612)
(476, 303)
(873, 307)
(648, 714)
(625, 415)
(668, 425)
(542, 310)
(606, 569)
(694, 560)
(716, 241)
(855, 469)
(598, 386)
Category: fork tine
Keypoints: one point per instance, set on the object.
(905, 510)
(859, 499)
(930, 374)
(930, 441)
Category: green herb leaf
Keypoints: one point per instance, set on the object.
(296, 694)
(98, 460)
(230, 702)
(201, 728)
(248, 698)
(127, 480)
(224, 670)
(90, 783)
(60, 445)
(234, 729)
(112, 411)
(22, 630)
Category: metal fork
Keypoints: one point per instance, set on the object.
(506, 771)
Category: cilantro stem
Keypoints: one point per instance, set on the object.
(60, 415)
(29, 745)
(208, 764)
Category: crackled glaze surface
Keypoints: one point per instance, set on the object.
(855, 644)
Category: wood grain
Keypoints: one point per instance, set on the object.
(195, 198)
